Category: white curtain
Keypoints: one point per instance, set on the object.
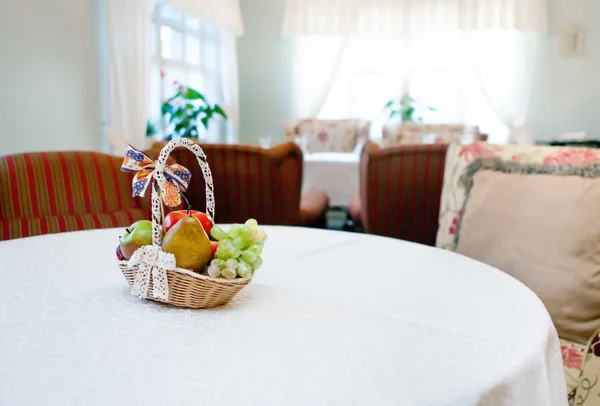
(223, 13)
(128, 32)
(504, 62)
(231, 98)
(317, 62)
(385, 17)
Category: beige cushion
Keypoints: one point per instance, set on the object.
(544, 230)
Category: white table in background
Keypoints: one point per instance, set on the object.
(332, 318)
(336, 173)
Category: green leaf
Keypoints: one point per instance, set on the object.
(166, 108)
(176, 115)
(194, 95)
(217, 109)
(204, 121)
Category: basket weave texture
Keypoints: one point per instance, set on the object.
(186, 289)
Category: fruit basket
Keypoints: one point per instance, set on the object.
(154, 271)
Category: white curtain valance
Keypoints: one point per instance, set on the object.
(398, 17)
(224, 13)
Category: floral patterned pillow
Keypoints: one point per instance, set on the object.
(459, 157)
(572, 356)
(329, 136)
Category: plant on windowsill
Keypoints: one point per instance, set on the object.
(404, 108)
(150, 129)
(185, 111)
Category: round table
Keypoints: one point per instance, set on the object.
(336, 173)
(332, 318)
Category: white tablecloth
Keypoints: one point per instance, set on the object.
(333, 318)
(333, 172)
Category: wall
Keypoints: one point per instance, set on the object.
(567, 90)
(49, 75)
(265, 66)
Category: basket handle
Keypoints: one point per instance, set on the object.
(157, 207)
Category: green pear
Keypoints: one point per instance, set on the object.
(188, 241)
(136, 235)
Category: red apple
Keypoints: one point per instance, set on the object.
(173, 217)
(213, 249)
(119, 253)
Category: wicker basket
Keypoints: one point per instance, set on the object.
(185, 288)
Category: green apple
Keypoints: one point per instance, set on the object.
(136, 235)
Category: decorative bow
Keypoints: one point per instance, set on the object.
(176, 181)
(152, 263)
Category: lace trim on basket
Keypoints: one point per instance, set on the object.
(153, 263)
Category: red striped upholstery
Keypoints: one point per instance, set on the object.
(52, 192)
(252, 182)
(400, 190)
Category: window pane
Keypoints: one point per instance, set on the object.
(171, 40)
(442, 53)
(443, 91)
(171, 13)
(192, 23)
(174, 77)
(197, 82)
(210, 30)
(210, 55)
(192, 50)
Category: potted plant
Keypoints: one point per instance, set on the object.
(404, 108)
(186, 110)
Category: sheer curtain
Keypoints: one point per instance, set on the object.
(317, 63)
(231, 98)
(128, 31)
(489, 75)
(504, 62)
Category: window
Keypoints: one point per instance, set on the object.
(185, 50)
(363, 73)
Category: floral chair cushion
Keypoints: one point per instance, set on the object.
(459, 157)
(327, 135)
(410, 133)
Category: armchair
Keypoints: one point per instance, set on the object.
(413, 133)
(400, 190)
(253, 182)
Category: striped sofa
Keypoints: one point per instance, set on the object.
(52, 192)
(252, 182)
(400, 189)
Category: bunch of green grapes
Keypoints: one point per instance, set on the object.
(239, 250)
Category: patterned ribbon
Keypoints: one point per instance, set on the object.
(176, 181)
(153, 262)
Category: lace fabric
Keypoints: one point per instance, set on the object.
(153, 263)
